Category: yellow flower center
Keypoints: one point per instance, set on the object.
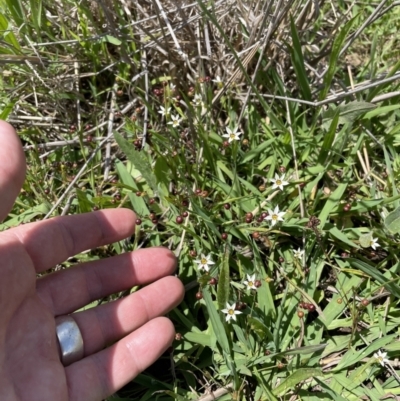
(250, 284)
(231, 312)
(203, 261)
(278, 182)
(275, 217)
(232, 136)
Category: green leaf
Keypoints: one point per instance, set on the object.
(250, 155)
(111, 39)
(26, 216)
(85, 205)
(199, 338)
(331, 202)
(392, 221)
(336, 48)
(295, 378)
(329, 391)
(328, 140)
(223, 282)
(373, 272)
(348, 112)
(216, 323)
(7, 110)
(138, 159)
(335, 232)
(17, 11)
(138, 203)
(298, 62)
(381, 110)
(365, 240)
(9, 36)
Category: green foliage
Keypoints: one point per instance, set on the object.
(325, 299)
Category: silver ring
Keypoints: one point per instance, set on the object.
(70, 340)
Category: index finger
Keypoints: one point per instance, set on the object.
(12, 167)
(53, 241)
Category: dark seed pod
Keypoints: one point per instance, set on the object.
(152, 216)
(138, 222)
(264, 215)
(213, 281)
(154, 221)
(257, 283)
(281, 260)
(193, 253)
(224, 236)
(179, 219)
(255, 235)
(185, 214)
(365, 302)
(199, 295)
(227, 206)
(248, 220)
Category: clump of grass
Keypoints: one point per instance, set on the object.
(259, 142)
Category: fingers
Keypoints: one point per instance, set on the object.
(53, 241)
(12, 167)
(102, 374)
(68, 290)
(108, 323)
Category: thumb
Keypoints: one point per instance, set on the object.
(12, 168)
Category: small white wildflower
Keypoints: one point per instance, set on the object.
(163, 111)
(232, 135)
(218, 81)
(381, 357)
(204, 262)
(230, 312)
(172, 87)
(279, 182)
(250, 282)
(374, 243)
(299, 253)
(275, 215)
(175, 121)
(197, 100)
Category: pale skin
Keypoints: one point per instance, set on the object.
(121, 338)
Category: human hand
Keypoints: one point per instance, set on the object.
(30, 366)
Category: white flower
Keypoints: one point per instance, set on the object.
(175, 121)
(230, 312)
(172, 87)
(197, 100)
(299, 253)
(278, 182)
(374, 243)
(218, 81)
(204, 262)
(232, 135)
(381, 357)
(275, 215)
(163, 111)
(250, 282)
